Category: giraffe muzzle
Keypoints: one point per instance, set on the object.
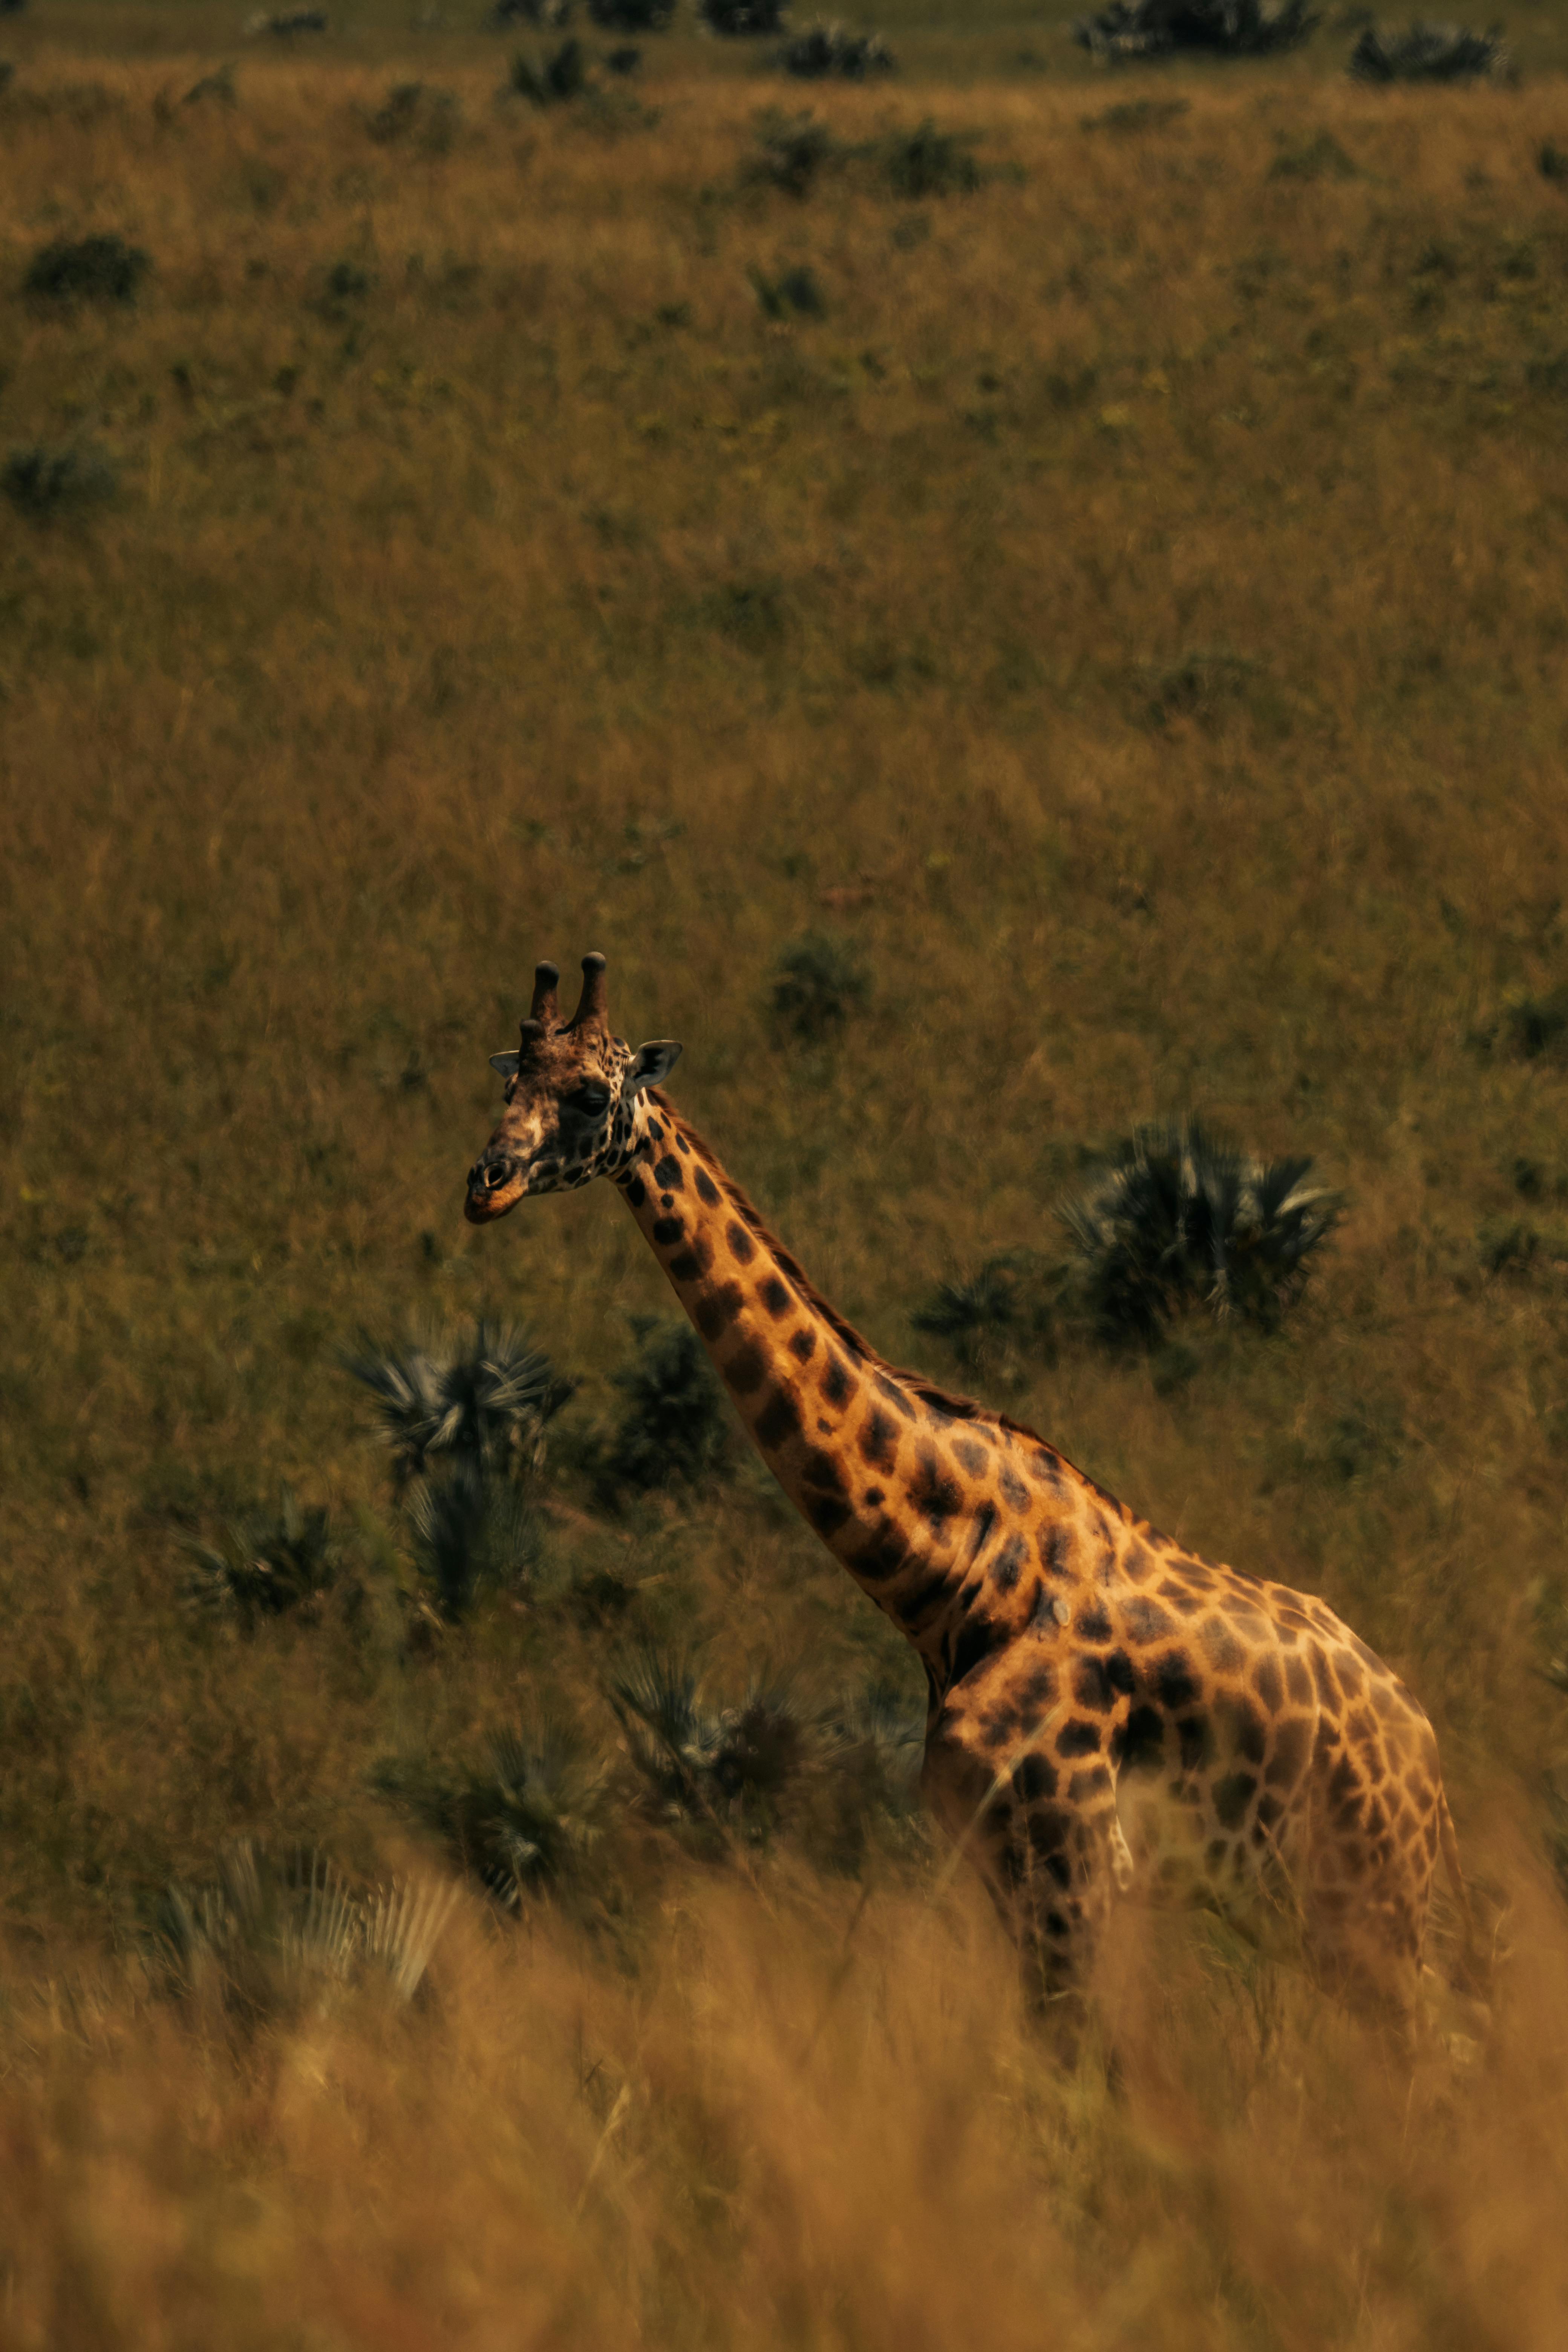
(494, 1187)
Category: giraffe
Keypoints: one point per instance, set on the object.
(1108, 1714)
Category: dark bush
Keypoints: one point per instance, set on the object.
(825, 52)
(552, 80)
(548, 14)
(216, 87)
(623, 61)
(473, 1534)
(1551, 163)
(675, 1427)
(1422, 52)
(631, 15)
(486, 1401)
(794, 293)
(1155, 28)
(996, 1316)
(742, 19)
(266, 1940)
(1184, 1217)
(704, 1763)
(284, 26)
(926, 161)
(818, 981)
(87, 269)
(426, 118)
(525, 1818)
(1534, 1025)
(270, 1563)
(44, 483)
(793, 151)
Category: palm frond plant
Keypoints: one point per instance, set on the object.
(1128, 29)
(472, 1534)
(705, 1764)
(830, 51)
(1185, 1218)
(487, 1400)
(1424, 52)
(269, 1563)
(268, 1939)
(675, 1427)
(525, 1817)
(1000, 1314)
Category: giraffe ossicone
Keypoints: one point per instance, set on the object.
(1107, 1713)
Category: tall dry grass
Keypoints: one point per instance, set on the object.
(1131, 614)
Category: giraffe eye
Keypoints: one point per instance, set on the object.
(591, 1102)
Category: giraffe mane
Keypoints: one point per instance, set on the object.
(942, 1401)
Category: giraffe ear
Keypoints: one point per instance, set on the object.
(505, 1063)
(651, 1065)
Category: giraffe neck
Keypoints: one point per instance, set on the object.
(963, 1529)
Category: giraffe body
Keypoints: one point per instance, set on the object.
(1108, 1714)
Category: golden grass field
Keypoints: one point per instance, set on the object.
(1132, 616)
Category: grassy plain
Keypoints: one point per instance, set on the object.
(1133, 613)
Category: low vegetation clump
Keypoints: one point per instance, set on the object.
(825, 52)
(1182, 1218)
(553, 79)
(525, 1818)
(103, 269)
(45, 484)
(413, 112)
(675, 1427)
(632, 15)
(795, 293)
(819, 983)
(739, 20)
(269, 1562)
(465, 1427)
(1000, 1318)
(792, 152)
(929, 161)
(1129, 29)
(1427, 52)
(271, 1943)
(287, 25)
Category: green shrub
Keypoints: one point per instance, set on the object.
(1184, 1218)
(552, 80)
(1534, 1025)
(1422, 52)
(926, 161)
(525, 1818)
(1004, 1311)
(793, 150)
(742, 19)
(674, 1428)
(826, 51)
(486, 1401)
(701, 1763)
(87, 269)
(267, 1942)
(632, 15)
(1156, 28)
(426, 118)
(270, 1563)
(43, 483)
(818, 983)
(473, 1533)
(794, 292)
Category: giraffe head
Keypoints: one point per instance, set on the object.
(575, 1105)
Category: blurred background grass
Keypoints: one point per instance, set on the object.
(1124, 606)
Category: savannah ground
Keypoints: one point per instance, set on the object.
(1130, 615)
